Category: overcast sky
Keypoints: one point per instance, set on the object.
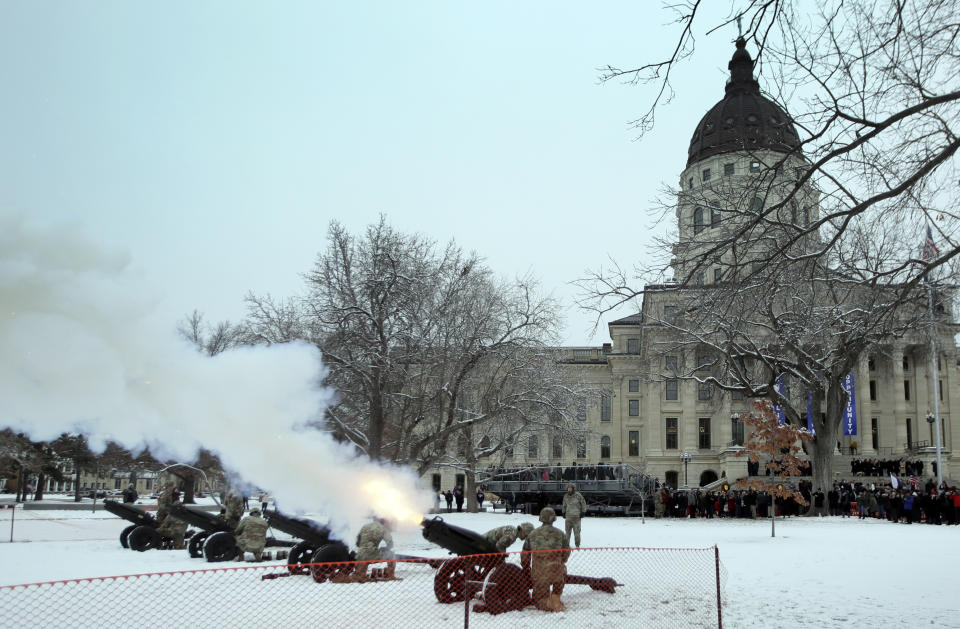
(215, 141)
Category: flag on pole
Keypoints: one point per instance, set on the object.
(929, 249)
(894, 482)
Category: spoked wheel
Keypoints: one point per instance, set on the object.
(220, 546)
(330, 561)
(195, 547)
(143, 538)
(124, 534)
(448, 584)
(300, 555)
(506, 588)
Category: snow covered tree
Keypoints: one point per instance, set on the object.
(803, 259)
(76, 449)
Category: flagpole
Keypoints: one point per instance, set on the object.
(936, 383)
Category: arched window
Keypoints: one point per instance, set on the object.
(533, 444)
(714, 215)
(604, 447)
(697, 220)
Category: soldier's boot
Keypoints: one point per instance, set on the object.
(388, 572)
(544, 604)
(257, 555)
(558, 605)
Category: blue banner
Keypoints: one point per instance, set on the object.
(781, 387)
(850, 412)
(810, 427)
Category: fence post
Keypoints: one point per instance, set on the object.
(13, 516)
(716, 553)
(466, 602)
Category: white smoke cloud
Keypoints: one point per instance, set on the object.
(82, 352)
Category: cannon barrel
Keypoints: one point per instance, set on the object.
(203, 520)
(457, 540)
(315, 534)
(130, 514)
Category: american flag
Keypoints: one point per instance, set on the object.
(914, 482)
(929, 249)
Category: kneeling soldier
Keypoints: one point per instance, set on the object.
(368, 549)
(548, 568)
(252, 534)
(170, 526)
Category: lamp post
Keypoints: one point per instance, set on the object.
(685, 457)
(735, 429)
(935, 425)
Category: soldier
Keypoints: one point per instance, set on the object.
(234, 508)
(548, 568)
(504, 536)
(574, 507)
(172, 527)
(163, 502)
(371, 535)
(252, 534)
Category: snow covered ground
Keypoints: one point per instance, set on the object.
(815, 573)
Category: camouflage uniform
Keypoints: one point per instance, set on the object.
(172, 527)
(574, 507)
(234, 505)
(503, 536)
(368, 549)
(547, 569)
(164, 502)
(252, 534)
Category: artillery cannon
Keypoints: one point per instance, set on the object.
(502, 586)
(215, 541)
(142, 533)
(316, 544)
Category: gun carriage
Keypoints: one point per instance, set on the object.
(316, 544)
(481, 568)
(142, 533)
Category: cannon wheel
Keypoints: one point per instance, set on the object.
(506, 588)
(449, 580)
(328, 562)
(143, 538)
(220, 546)
(195, 547)
(299, 556)
(124, 534)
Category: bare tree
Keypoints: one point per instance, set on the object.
(211, 339)
(792, 270)
(874, 90)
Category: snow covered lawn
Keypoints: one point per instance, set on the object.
(815, 573)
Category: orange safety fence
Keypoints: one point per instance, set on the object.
(596, 587)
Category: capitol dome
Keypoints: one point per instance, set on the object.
(744, 120)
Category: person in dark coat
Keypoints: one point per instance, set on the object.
(458, 496)
(130, 494)
(448, 497)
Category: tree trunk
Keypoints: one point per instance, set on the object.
(826, 441)
(41, 481)
(76, 482)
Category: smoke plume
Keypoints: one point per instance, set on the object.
(83, 352)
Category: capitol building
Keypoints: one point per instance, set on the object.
(650, 411)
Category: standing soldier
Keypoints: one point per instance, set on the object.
(234, 508)
(503, 536)
(164, 501)
(172, 527)
(252, 534)
(548, 568)
(574, 507)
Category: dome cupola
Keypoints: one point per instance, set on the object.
(744, 120)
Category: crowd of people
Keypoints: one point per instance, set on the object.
(888, 467)
(558, 473)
